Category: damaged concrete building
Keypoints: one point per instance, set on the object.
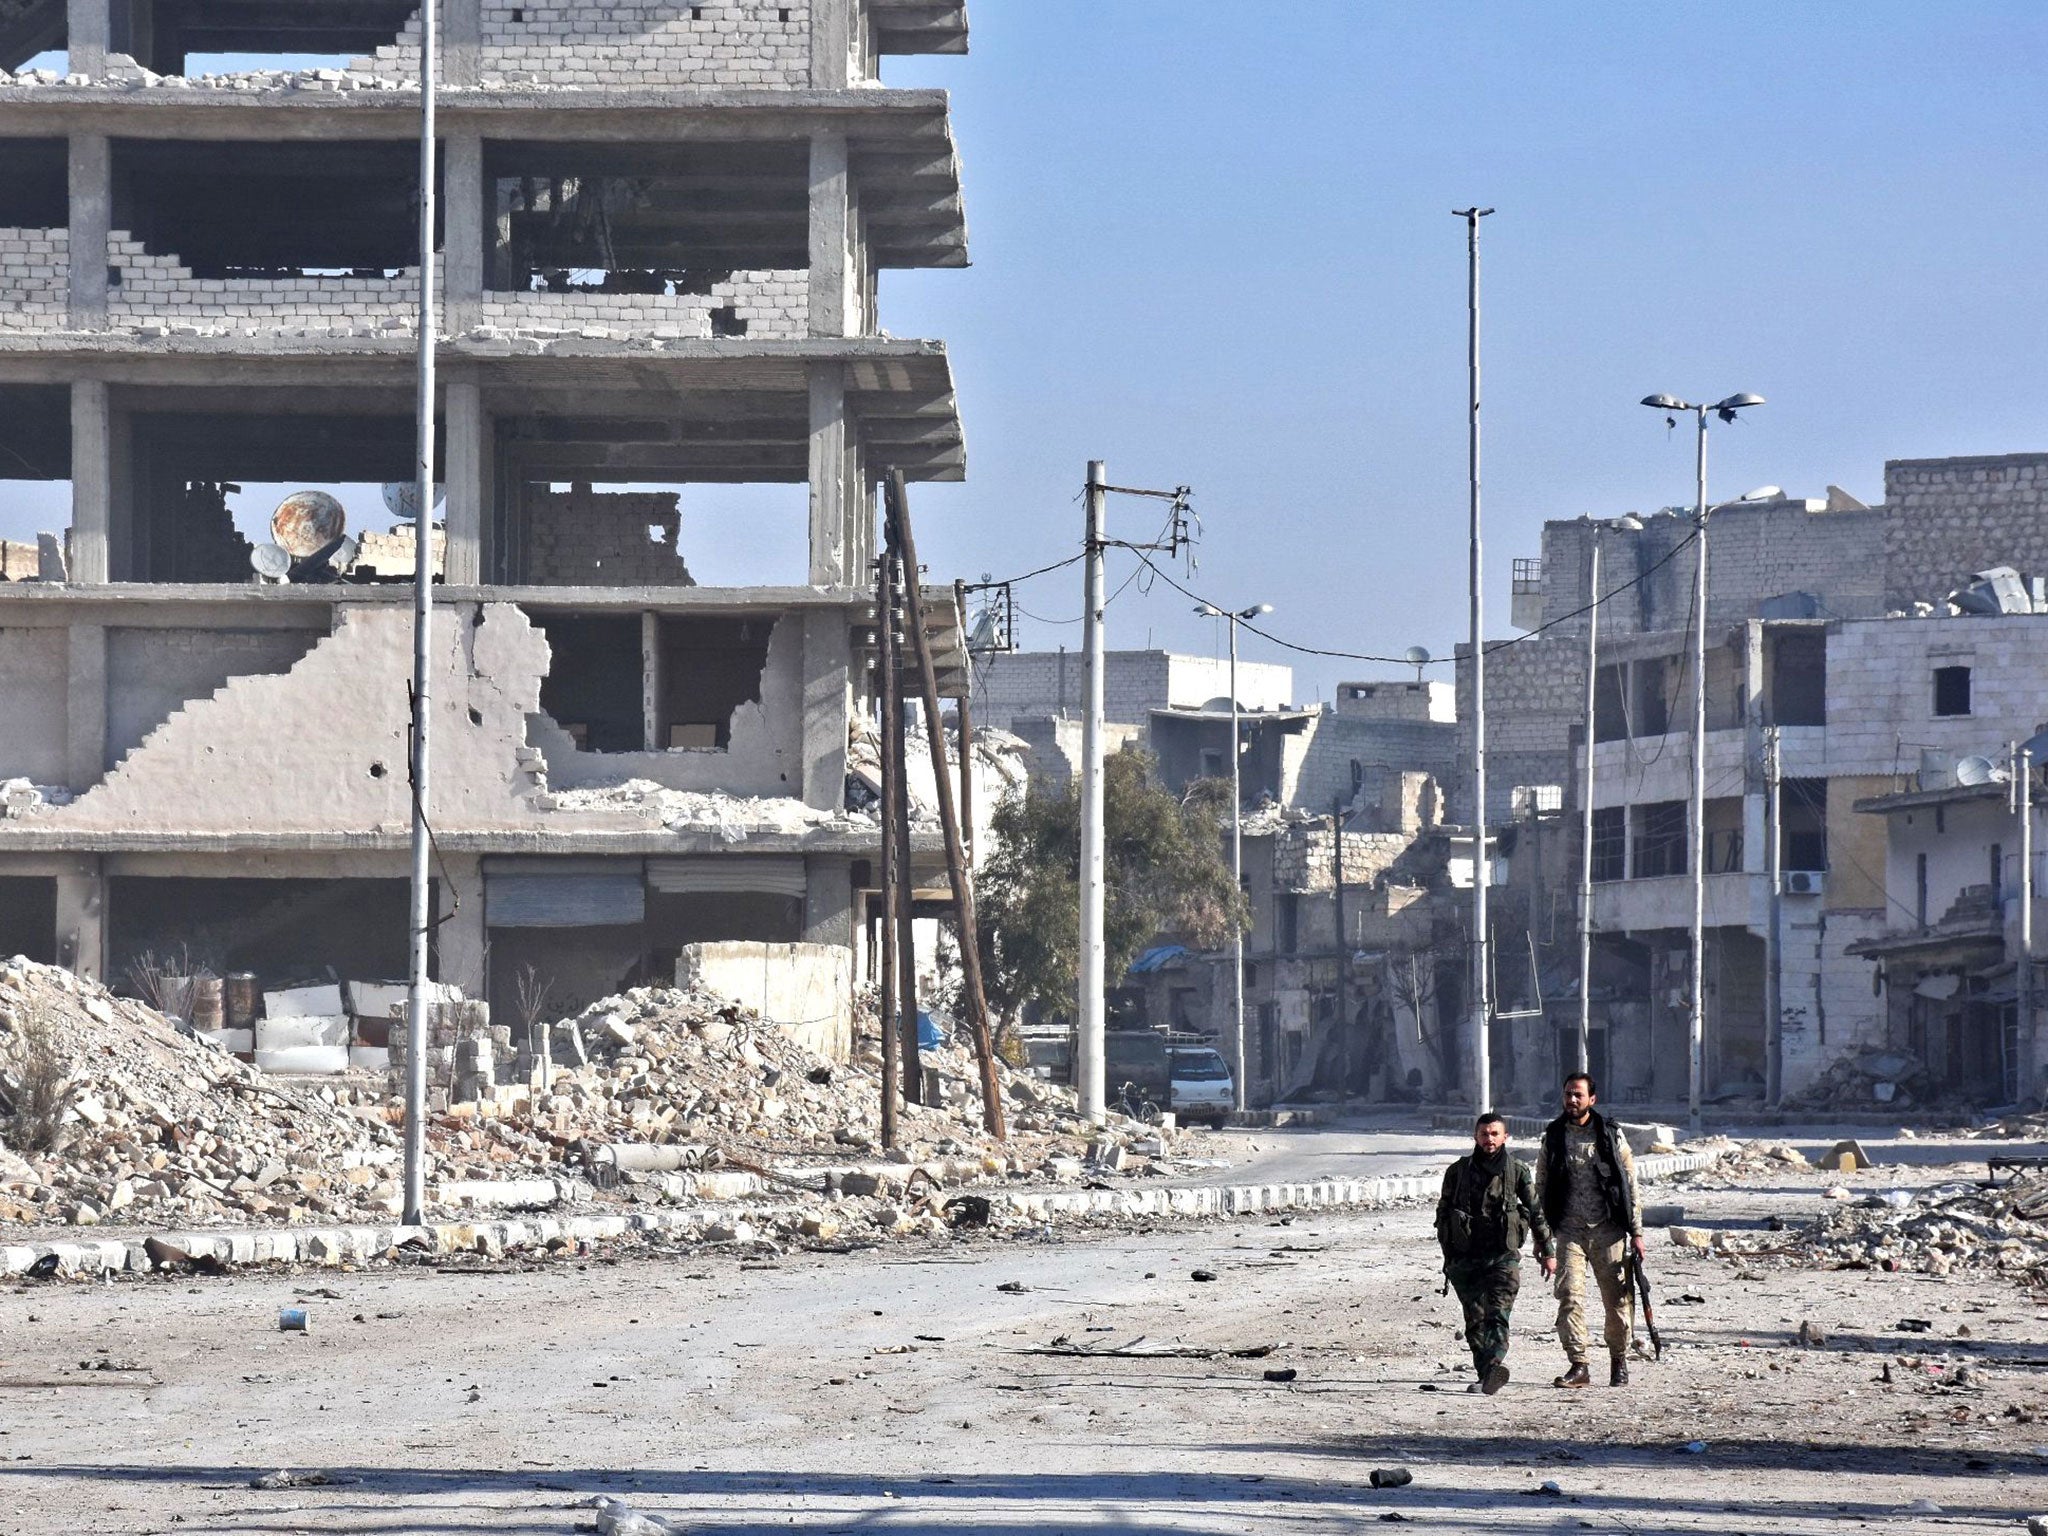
(1883, 646)
(662, 228)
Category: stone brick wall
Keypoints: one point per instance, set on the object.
(1317, 768)
(35, 278)
(577, 43)
(160, 293)
(1753, 553)
(1535, 698)
(1881, 689)
(770, 304)
(581, 537)
(1946, 518)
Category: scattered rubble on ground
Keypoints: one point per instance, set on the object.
(1935, 1231)
(1741, 1162)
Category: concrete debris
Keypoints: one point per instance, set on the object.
(1956, 1226)
(1897, 1079)
(20, 798)
(732, 818)
(162, 1127)
(1741, 1162)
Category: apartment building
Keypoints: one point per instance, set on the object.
(661, 229)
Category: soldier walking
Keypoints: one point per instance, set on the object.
(1586, 1187)
(1487, 1207)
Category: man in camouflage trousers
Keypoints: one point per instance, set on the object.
(1487, 1208)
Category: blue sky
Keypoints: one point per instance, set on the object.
(1213, 245)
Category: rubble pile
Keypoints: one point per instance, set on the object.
(733, 818)
(1741, 1162)
(666, 1065)
(1935, 1231)
(162, 1127)
(1888, 1078)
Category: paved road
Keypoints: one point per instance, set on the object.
(1357, 1149)
(897, 1391)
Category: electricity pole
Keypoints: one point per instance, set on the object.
(420, 917)
(1585, 1063)
(1774, 936)
(1482, 1001)
(1088, 1042)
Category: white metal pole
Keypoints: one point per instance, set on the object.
(1482, 1002)
(1774, 929)
(1236, 878)
(1696, 1023)
(1585, 1063)
(2028, 1070)
(421, 915)
(1093, 960)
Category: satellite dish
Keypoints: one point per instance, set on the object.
(1976, 770)
(345, 552)
(1765, 493)
(270, 562)
(402, 497)
(1418, 658)
(306, 522)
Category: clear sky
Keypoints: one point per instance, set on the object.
(1213, 244)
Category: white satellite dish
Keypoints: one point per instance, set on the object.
(1976, 770)
(345, 552)
(270, 562)
(1418, 658)
(402, 498)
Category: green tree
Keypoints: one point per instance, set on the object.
(1165, 875)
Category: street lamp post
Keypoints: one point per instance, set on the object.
(1236, 617)
(1696, 1024)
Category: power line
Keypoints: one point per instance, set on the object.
(1489, 649)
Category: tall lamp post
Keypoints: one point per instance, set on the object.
(1696, 1023)
(1236, 617)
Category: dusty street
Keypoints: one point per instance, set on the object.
(894, 1389)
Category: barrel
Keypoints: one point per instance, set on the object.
(207, 1001)
(243, 998)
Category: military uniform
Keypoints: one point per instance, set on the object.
(1488, 1207)
(1586, 1185)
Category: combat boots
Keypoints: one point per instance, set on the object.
(1617, 1373)
(1577, 1376)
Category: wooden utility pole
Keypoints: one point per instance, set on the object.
(910, 1063)
(892, 786)
(949, 819)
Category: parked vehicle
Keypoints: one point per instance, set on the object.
(1177, 1072)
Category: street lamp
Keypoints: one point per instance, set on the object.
(1236, 617)
(1696, 1029)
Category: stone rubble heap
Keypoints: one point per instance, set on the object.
(1741, 1162)
(162, 1127)
(1953, 1226)
(165, 1130)
(665, 1064)
(1870, 1079)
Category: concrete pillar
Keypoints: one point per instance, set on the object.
(832, 483)
(85, 707)
(828, 900)
(459, 942)
(462, 226)
(833, 305)
(88, 27)
(650, 683)
(832, 44)
(461, 51)
(82, 921)
(828, 708)
(92, 209)
(92, 479)
(465, 431)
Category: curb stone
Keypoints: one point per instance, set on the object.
(356, 1244)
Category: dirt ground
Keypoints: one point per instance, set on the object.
(893, 1389)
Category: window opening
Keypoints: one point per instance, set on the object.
(1951, 691)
